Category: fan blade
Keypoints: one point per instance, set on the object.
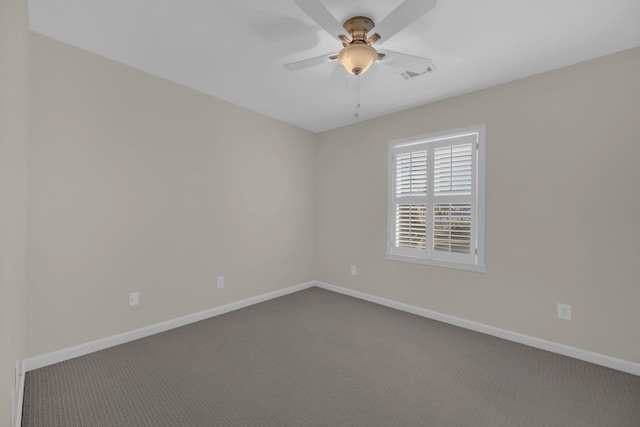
(311, 62)
(402, 16)
(322, 16)
(405, 62)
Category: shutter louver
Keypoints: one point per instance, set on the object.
(452, 169)
(411, 174)
(411, 226)
(452, 227)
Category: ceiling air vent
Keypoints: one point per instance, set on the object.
(408, 75)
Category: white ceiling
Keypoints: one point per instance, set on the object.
(234, 50)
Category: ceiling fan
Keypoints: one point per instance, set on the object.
(358, 53)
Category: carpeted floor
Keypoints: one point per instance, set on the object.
(317, 358)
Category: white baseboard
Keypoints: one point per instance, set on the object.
(47, 359)
(82, 349)
(18, 418)
(576, 353)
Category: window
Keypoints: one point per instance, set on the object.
(436, 199)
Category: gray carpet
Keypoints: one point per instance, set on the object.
(317, 358)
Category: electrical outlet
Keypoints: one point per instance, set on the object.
(220, 282)
(354, 270)
(134, 298)
(564, 311)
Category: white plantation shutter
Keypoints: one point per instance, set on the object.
(433, 212)
(452, 227)
(453, 169)
(411, 226)
(411, 174)
(410, 205)
(452, 204)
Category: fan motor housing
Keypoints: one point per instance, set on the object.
(358, 27)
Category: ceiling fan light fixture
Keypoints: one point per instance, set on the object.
(357, 57)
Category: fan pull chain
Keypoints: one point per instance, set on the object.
(356, 115)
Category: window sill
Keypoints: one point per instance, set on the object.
(467, 267)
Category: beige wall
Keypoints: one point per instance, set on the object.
(139, 184)
(14, 46)
(562, 207)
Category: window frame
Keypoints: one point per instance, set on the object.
(476, 260)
